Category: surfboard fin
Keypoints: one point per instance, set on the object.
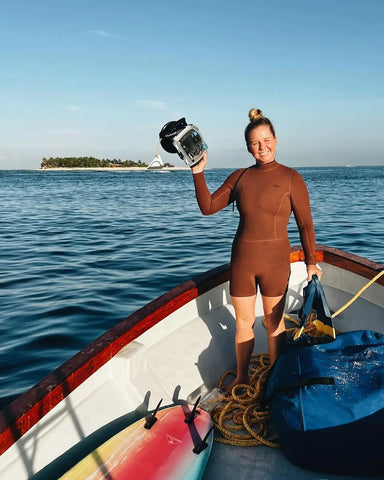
(194, 412)
(203, 444)
(151, 419)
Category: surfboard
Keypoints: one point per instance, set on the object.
(171, 443)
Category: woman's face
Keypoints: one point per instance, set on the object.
(262, 144)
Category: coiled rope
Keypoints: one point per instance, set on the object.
(242, 418)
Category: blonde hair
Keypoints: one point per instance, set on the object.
(257, 118)
(254, 114)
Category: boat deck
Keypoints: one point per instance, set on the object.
(243, 463)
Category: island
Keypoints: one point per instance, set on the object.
(92, 162)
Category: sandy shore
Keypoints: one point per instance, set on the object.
(112, 169)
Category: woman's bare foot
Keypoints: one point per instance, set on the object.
(234, 383)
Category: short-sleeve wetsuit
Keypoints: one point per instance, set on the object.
(265, 196)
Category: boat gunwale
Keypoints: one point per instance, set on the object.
(25, 411)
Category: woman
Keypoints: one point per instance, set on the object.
(266, 193)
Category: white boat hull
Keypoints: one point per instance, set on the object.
(175, 348)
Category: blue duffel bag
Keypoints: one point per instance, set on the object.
(327, 403)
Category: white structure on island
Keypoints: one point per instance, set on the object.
(157, 162)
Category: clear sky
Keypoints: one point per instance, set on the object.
(101, 77)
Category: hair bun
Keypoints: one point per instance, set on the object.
(254, 114)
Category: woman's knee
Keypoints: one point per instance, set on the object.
(244, 312)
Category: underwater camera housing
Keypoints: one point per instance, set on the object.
(183, 139)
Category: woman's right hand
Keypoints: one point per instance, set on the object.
(201, 165)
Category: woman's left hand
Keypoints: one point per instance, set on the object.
(313, 270)
(199, 167)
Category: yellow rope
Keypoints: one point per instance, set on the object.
(357, 295)
(242, 419)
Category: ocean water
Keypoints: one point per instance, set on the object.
(79, 251)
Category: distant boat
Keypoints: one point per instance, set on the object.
(156, 163)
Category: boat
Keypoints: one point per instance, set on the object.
(175, 349)
(157, 163)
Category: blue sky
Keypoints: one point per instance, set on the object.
(101, 77)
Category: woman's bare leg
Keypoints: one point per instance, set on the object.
(244, 338)
(274, 320)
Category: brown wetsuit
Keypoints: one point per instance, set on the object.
(265, 196)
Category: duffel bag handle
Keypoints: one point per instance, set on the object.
(321, 296)
(314, 300)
